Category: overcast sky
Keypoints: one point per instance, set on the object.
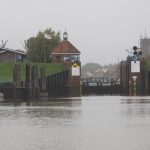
(101, 29)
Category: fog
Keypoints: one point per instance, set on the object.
(101, 29)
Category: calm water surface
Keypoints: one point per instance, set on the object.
(87, 123)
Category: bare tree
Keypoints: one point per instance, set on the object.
(4, 43)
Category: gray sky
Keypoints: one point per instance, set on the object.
(100, 29)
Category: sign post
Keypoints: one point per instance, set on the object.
(75, 70)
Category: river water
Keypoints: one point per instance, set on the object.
(86, 123)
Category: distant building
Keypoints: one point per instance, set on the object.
(145, 46)
(7, 54)
(65, 52)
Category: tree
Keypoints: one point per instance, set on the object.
(89, 69)
(39, 48)
(97, 70)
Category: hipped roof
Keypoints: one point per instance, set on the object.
(65, 47)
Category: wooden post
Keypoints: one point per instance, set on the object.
(16, 80)
(43, 79)
(14, 84)
(35, 83)
(27, 82)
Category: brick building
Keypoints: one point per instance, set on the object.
(7, 54)
(67, 54)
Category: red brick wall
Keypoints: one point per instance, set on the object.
(7, 56)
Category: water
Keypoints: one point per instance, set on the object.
(87, 123)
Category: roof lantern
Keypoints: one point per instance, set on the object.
(65, 36)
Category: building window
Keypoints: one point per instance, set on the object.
(58, 59)
(18, 56)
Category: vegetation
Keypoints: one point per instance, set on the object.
(6, 69)
(38, 52)
(148, 65)
(39, 48)
(90, 68)
(96, 70)
(147, 62)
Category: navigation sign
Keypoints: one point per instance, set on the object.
(75, 70)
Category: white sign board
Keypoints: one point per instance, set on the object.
(135, 66)
(75, 70)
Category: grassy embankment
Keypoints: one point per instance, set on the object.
(6, 70)
(148, 65)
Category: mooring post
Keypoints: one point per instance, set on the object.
(14, 84)
(43, 79)
(27, 82)
(16, 80)
(18, 75)
(33, 80)
(35, 83)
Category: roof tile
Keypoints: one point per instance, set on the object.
(65, 47)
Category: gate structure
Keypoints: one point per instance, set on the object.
(133, 74)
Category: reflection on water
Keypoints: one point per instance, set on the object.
(135, 99)
(136, 106)
(88, 123)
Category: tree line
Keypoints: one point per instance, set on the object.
(97, 70)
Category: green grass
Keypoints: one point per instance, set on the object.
(6, 69)
(148, 65)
